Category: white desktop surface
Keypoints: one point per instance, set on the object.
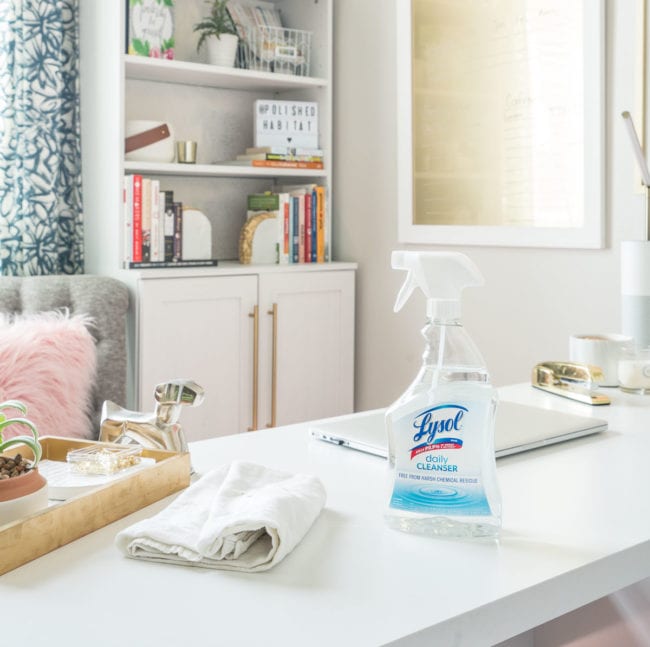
(576, 527)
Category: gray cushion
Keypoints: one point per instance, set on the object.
(104, 299)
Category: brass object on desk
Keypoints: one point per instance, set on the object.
(570, 380)
(157, 430)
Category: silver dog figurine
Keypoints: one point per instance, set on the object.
(157, 430)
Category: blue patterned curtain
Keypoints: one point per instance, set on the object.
(41, 226)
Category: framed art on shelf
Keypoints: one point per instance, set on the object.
(150, 28)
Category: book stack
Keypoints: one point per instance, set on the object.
(281, 157)
(153, 226)
(303, 230)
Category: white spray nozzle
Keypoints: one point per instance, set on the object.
(440, 275)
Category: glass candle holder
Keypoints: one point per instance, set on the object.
(634, 372)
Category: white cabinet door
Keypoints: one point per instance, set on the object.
(200, 329)
(314, 346)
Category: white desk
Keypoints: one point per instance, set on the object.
(576, 527)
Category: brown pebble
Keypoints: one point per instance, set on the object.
(11, 466)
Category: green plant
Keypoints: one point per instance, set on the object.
(31, 441)
(216, 23)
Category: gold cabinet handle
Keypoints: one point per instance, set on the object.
(274, 368)
(256, 353)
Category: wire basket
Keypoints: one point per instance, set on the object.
(275, 49)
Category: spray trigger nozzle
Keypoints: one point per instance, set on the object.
(440, 275)
(405, 291)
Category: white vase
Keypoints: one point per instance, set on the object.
(222, 50)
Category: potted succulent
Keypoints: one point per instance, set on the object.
(22, 489)
(218, 32)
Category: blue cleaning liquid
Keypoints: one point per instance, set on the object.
(441, 454)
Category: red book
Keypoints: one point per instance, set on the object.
(137, 218)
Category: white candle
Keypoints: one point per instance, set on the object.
(634, 374)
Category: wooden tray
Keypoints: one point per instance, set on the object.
(26, 539)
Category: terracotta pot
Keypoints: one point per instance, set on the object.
(22, 495)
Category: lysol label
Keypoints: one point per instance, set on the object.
(438, 459)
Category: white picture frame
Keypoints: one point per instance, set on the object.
(588, 234)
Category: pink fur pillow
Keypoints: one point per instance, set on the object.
(48, 362)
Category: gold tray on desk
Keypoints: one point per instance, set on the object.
(30, 537)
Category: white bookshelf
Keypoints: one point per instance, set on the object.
(190, 73)
(201, 102)
(196, 322)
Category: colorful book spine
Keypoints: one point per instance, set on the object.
(137, 219)
(146, 219)
(290, 228)
(168, 227)
(161, 230)
(301, 228)
(155, 254)
(320, 224)
(295, 257)
(284, 164)
(177, 208)
(277, 157)
(314, 226)
(127, 207)
(190, 263)
(285, 150)
(308, 230)
(283, 256)
(328, 229)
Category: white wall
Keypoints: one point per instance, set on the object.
(533, 298)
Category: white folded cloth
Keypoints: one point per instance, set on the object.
(238, 517)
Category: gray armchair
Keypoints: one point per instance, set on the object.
(104, 299)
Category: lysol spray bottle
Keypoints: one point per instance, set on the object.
(441, 430)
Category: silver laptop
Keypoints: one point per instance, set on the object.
(518, 428)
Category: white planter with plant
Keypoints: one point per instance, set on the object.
(218, 33)
(23, 490)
